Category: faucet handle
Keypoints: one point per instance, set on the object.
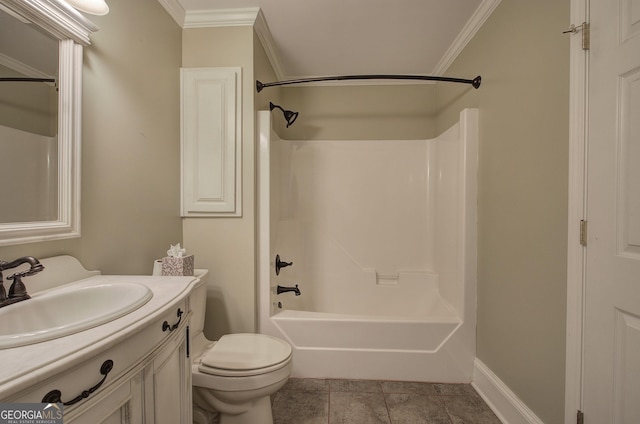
(281, 264)
(33, 270)
(18, 275)
(18, 289)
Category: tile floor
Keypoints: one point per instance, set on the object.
(318, 401)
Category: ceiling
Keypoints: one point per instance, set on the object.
(343, 37)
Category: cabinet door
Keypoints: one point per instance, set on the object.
(120, 405)
(168, 384)
(211, 122)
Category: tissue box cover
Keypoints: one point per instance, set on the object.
(172, 266)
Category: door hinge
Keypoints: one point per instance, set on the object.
(583, 232)
(586, 33)
(580, 417)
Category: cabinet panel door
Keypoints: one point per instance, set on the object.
(122, 405)
(169, 382)
(211, 139)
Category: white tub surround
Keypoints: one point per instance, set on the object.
(151, 368)
(382, 236)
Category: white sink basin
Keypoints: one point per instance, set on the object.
(68, 310)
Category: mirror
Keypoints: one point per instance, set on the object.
(41, 40)
(28, 121)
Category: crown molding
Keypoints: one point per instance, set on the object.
(57, 17)
(221, 17)
(209, 18)
(264, 35)
(476, 21)
(175, 10)
(251, 16)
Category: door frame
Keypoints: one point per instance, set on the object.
(577, 211)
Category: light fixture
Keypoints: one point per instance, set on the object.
(290, 116)
(93, 7)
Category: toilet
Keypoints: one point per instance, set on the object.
(234, 377)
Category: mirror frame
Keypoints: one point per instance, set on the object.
(72, 30)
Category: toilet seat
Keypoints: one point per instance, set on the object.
(240, 355)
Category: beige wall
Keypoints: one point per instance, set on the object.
(226, 246)
(523, 166)
(130, 146)
(264, 73)
(364, 112)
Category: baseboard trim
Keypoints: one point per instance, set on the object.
(502, 401)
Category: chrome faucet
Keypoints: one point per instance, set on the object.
(281, 289)
(17, 291)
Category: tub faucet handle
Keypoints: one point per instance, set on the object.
(281, 264)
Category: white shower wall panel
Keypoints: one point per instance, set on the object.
(448, 196)
(29, 172)
(354, 213)
(273, 163)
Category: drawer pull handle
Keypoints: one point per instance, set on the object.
(166, 326)
(55, 396)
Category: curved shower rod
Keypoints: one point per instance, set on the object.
(27, 79)
(474, 82)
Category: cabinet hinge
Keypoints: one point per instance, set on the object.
(580, 417)
(586, 33)
(583, 232)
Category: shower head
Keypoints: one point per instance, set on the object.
(289, 115)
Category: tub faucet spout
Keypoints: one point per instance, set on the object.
(281, 289)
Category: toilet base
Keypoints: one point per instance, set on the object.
(260, 413)
(209, 410)
(239, 395)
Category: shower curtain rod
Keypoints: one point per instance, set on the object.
(474, 82)
(26, 79)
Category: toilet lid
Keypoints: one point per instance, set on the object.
(246, 352)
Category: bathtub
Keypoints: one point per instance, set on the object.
(393, 309)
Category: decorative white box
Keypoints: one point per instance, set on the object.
(172, 266)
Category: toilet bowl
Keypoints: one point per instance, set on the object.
(234, 377)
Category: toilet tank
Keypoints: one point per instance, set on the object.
(198, 303)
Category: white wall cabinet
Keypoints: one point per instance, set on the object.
(211, 124)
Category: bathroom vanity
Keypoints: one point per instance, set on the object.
(134, 368)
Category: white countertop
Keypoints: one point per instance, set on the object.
(23, 366)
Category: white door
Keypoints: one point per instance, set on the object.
(611, 380)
